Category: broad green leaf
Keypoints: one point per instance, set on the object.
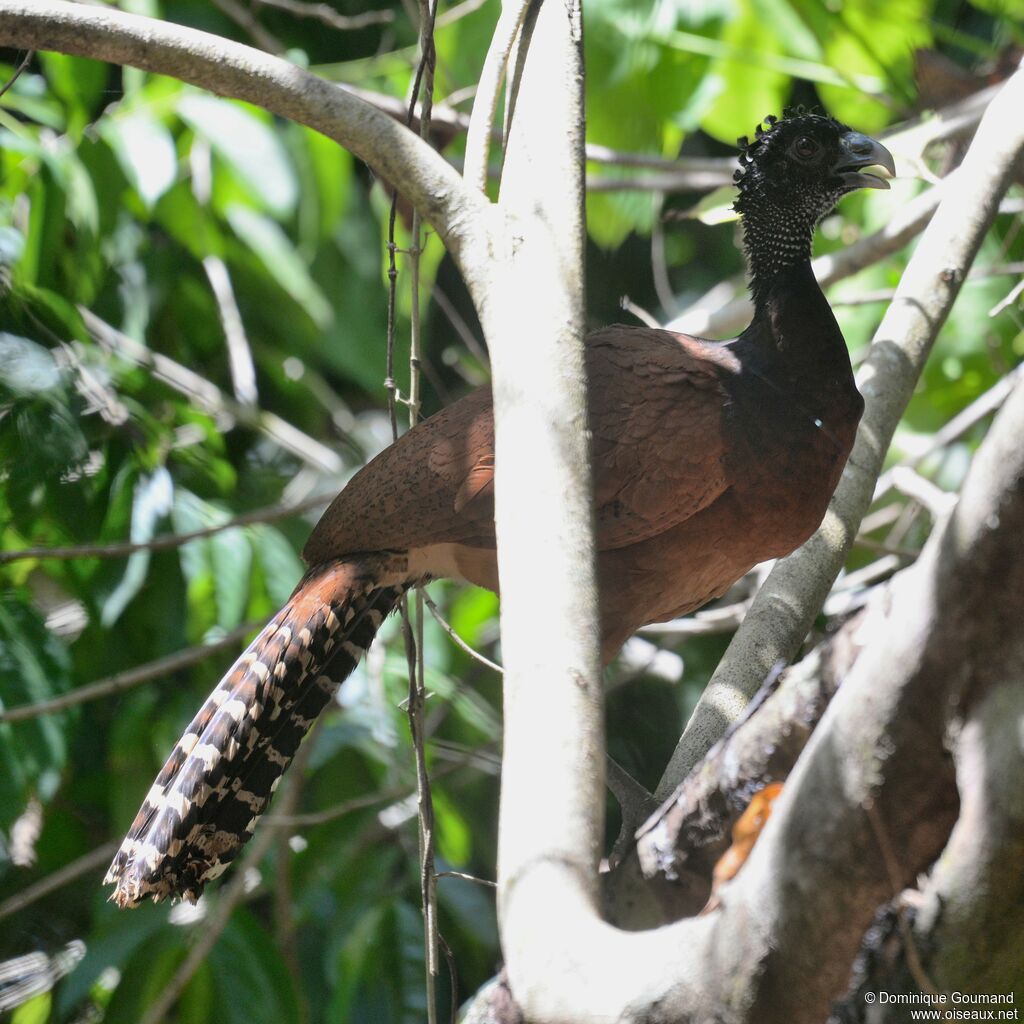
(231, 561)
(218, 565)
(35, 1011)
(145, 149)
(243, 137)
(192, 226)
(116, 936)
(153, 499)
(380, 969)
(331, 170)
(1008, 9)
(78, 82)
(277, 253)
(249, 976)
(30, 97)
(281, 567)
(755, 82)
(715, 207)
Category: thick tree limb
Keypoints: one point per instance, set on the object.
(784, 608)
(952, 636)
(488, 91)
(548, 848)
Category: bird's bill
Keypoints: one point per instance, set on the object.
(861, 152)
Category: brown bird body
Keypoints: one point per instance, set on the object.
(708, 457)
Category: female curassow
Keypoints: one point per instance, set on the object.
(708, 457)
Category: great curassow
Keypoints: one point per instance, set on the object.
(708, 457)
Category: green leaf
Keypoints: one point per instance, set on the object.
(277, 559)
(145, 150)
(153, 499)
(219, 565)
(231, 561)
(33, 667)
(25, 367)
(249, 976)
(188, 223)
(243, 137)
(280, 258)
(35, 1011)
(380, 969)
(753, 84)
(116, 937)
(331, 169)
(78, 82)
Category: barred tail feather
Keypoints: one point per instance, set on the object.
(207, 799)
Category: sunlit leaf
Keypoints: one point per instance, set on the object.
(77, 81)
(243, 137)
(154, 496)
(25, 367)
(145, 149)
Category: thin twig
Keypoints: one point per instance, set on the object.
(453, 979)
(423, 79)
(647, 319)
(121, 681)
(458, 12)
(976, 274)
(911, 484)
(455, 318)
(91, 861)
(240, 361)
(682, 180)
(120, 549)
(467, 878)
(395, 794)
(29, 54)
(330, 17)
(1010, 299)
(243, 17)
(417, 682)
(704, 623)
(459, 642)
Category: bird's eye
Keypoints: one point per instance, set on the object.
(805, 147)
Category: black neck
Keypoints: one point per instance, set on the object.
(794, 337)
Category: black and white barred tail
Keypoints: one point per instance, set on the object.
(207, 799)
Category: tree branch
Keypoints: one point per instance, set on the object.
(952, 635)
(242, 72)
(485, 104)
(121, 549)
(548, 850)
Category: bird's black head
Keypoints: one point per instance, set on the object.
(791, 175)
